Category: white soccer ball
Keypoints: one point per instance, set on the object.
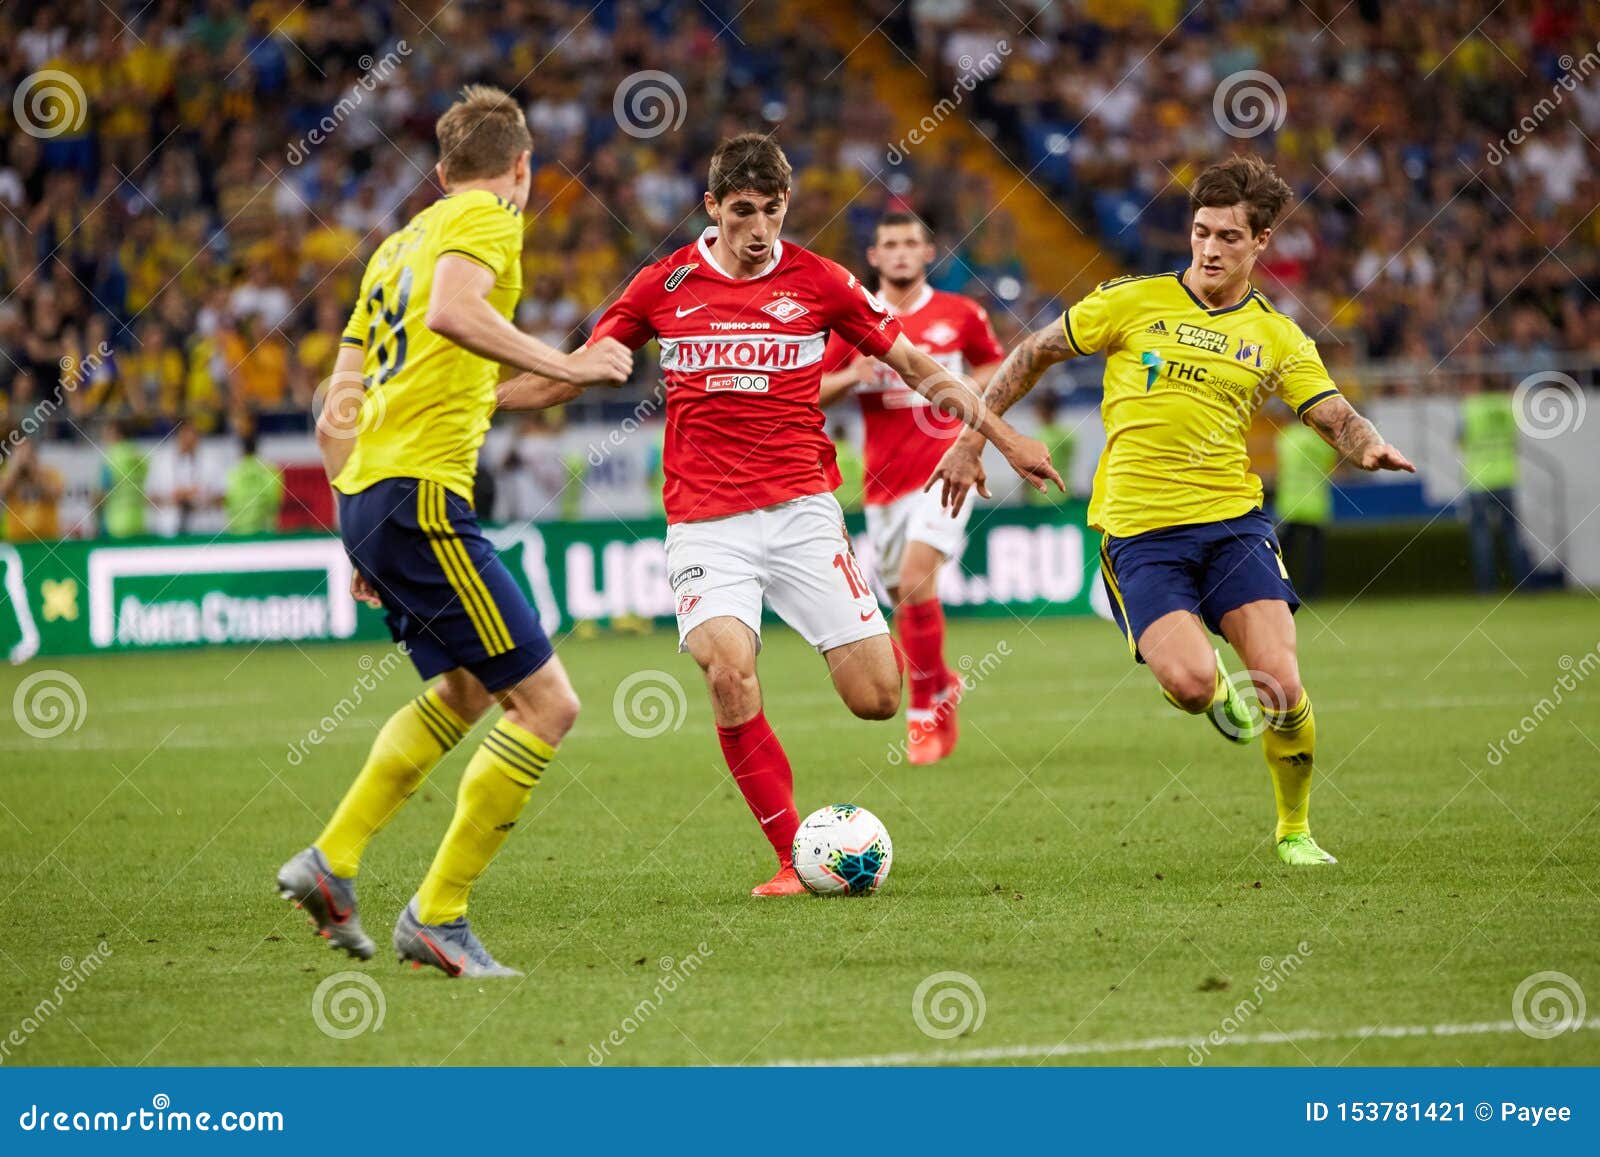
(842, 850)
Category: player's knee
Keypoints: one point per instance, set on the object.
(1280, 690)
(563, 709)
(464, 695)
(879, 699)
(1193, 690)
(734, 689)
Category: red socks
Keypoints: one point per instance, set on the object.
(921, 627)
(761, 770)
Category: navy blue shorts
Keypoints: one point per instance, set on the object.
(1207, 568)
(447, 595)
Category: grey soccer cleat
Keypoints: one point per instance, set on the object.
(451, 948)
(329, 900)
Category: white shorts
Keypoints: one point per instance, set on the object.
(915, 517)
(796, 554)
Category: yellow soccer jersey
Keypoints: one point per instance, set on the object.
(1182, 384)
(428, 400)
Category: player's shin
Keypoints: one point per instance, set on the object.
(761, 769)
(922, 636)
(494, 790)
(408, 747)
(1289, 742)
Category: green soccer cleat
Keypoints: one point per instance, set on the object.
(1300, 850)
(1231, 715)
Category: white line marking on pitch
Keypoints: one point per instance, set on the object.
(1155, 1044)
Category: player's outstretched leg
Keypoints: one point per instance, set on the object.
(433, 930)
(321, 879)
(725, 649)
(1263, 634)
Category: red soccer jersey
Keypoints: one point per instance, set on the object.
(742, 362)
(905, 435)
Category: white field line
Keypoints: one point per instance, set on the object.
(961, 1056)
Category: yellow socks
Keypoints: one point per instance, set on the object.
(496, 786)
(416, 737)
(1220, 691)
(1288, 743)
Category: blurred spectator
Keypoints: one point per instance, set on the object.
(1062, 444)
(1488, 448)
(31, 495)
(1304, 502)
(185, 485)
(533, 476)
(123, 472)
(253, 492)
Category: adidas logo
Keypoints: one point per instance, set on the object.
(1159, 327)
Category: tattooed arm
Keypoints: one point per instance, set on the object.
(961, 468)
(1356, 439)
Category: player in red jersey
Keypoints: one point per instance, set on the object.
(742, 320)
(912, 534)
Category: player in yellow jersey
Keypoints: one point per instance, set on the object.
(413, 389)
(1189, 358)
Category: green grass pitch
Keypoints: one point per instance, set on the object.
(1098, 865)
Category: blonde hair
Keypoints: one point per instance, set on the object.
(481, 135)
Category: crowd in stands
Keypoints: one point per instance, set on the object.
(186, 240)
(1424, 231)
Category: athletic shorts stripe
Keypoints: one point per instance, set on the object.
(458, 569)
(1116, 593)
(493, 627)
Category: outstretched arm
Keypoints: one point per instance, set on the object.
(1356, 439)
(953, 394)
(961, 468)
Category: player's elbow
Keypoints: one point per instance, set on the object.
(445, 320)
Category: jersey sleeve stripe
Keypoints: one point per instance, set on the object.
(355, 341)
(471, 256)
(1066, 328)
(1309, 403)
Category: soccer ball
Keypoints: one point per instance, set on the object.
(842, 850)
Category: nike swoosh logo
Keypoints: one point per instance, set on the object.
(337, 916)
(691, 309)
(866, 616)
(453, 967)
(765, 820)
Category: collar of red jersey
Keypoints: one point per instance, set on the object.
(922, 299)
(710, 235)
